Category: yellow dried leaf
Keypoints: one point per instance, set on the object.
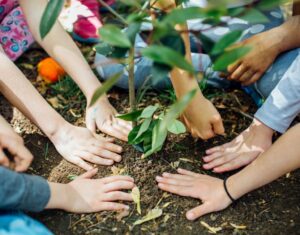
(238, 226)
(186, 160)
(213, 230)
(153, 214)
(135, 193)
(54, 102)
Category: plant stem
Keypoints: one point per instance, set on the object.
(132, 100)
(113, 12)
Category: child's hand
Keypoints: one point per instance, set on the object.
(14, 145)
(207, 189)
(86, 195)
(202, 119)
(102, 116)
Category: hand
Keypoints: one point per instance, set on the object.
(103, 116)
(207, 189)
(253, 65)
(14, 145)
(86, 195)
(202, 119)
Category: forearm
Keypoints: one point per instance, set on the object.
(60, 46)
(4, 126)
(19, 91)
(281, 158)
(58, 196)
(182, 81)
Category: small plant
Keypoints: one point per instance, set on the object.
(167, 51)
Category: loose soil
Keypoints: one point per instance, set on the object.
(273, 209)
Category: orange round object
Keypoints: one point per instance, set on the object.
(50, 70)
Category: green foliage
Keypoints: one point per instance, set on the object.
(50, 15)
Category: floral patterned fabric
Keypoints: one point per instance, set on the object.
(15, 37)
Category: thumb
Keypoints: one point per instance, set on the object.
(217, 124)
(90, 124)
(199, 211)
(89, 174)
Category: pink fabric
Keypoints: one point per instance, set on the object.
(15, 37)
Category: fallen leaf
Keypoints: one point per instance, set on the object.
(54, 102)
(135, 193)
(213, 230)
(186, 160)
(117, 171)
(153, 214)
(167, 204)
(175, 165)
(166, 218)
(238, 226)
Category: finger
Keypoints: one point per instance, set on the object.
(108, 129)
(213, 156)
(3, 159)
(114, 178)
(24, 157)
(118, 185)
(220, 161)
(246, 76)
(112, 206)
(199, 211)
(220, 148)
(91, 125)
(186, 172)
(90, 157)
(177, 176)
(103, 139)
(79, 162)
(218, 125)
(253, 79)
(231, 68)
(117, 196)
(237, 73)
(89, 174)
(108, 155)
(233, 165)
(170, 181)
(108, 146)
(176, 189)
(124, 124)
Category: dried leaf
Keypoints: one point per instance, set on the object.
(153, 214)
(238, 226)
(167, 204)
(54, 102)
(137, 199)
(186, 160)
(117, 171)
(213, 230)
(175, 165)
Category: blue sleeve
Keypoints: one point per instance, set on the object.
(22, 192)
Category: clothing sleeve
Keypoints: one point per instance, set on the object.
(283, 104)
(22, 192)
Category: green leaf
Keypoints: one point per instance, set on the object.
(207, 43)
(159, 72)
(230, 57)
(148, 112)
(132, 135)
(165, 55)
(270, 4)
(253, 16)
(105, 87)
(133, 116)
(177, 127)
(181, 15)
(103, 48)
(112, 35)
(226, 41)
(50, 16)
(144, 127)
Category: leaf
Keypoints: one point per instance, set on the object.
(181, 15)
(112, 35)
(254, 16)
(135, 193)
(269, 4)
(238, 226)
(72, 177)
(105, 87)
(226, 41)
(159, 72)
(153, 214)
(211, 229)
(176, 127)
(50, 16)
(144, 127)
(133, 116)
(165, 55)
(230, 57)
(149, 111)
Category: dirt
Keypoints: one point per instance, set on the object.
(273, 209)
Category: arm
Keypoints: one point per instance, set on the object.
(201, 117)
(62, 48)
(210, 190)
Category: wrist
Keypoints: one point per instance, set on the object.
(58, 197)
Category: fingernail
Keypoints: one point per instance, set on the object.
(158, 178)
(127, 208)
(166, 174)
(190, 216)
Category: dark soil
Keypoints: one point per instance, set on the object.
(273, 209)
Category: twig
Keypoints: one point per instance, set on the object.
(113, 12)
